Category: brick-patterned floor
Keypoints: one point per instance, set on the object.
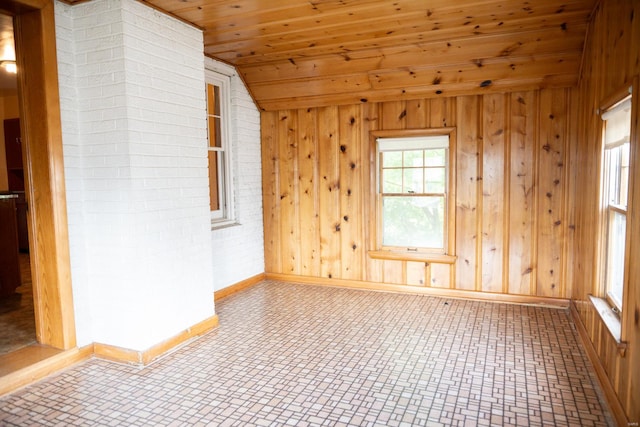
(304, 355)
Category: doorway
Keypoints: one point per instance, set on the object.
(34, 29)
(17, 317)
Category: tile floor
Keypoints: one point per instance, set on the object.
(301, 355)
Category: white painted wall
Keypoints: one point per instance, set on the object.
(238, 251)
(134, 135)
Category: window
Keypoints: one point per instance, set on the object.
(615, 187)
(413, 175)
(219, 147)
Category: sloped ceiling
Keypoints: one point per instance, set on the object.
(304, 53)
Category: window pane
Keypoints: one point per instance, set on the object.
(413, 180)
(216, 104)
(215, 172)
(613, 173)
(211, 99)
(435, 157)
(392, 180)
(392, 159)
(435, 180)
(413, 221)
(624, 174)
(215, 132)
(413, 158)
(615, 256)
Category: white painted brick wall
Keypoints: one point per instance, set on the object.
(238, 251)
(134, 133)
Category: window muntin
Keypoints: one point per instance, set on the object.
(219, 148)
(412, 189)
(615, 184)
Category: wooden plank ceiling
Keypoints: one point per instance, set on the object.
(307, 53)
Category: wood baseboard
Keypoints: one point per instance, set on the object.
(247, 283)
(438, 292)
(33, 363)
(124, 355)
(609, 392)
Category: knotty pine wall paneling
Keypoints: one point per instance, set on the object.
(493, 192)
(309, 204)
(370, 123)
(553, 127)
(329, 194)
(521, 244)
(611, 62)
(469, 191)
(509, 163)
(352, 248)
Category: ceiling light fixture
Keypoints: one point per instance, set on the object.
(9, 66)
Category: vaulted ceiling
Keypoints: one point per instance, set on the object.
(303, 53)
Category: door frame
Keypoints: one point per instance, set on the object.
(34, 31)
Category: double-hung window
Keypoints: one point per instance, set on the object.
(413, 175)
(219, 148)
(615, 188)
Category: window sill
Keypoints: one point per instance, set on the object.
(413, 256)
(611, 321)
(217, 225)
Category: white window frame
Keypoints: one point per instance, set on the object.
(432, 139)
(226, 214)
(611, 208)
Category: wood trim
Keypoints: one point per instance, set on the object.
(413, 256)
(125, 355)
(610, 394)
(240, 286)
(117, 354)
(611, 322)
(375, 200)
(45, 186)
(615, 97)
(406, 133)
(437, 292)
(36, 362)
